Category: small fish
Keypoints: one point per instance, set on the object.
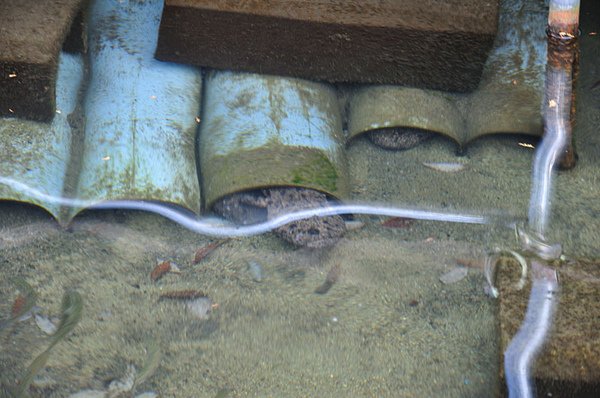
(189, 294)
(332, 277)
(470, 263)
(196, 301)
(161, 269)
(23, 303)
(446, 167)
(18, 304)
(204, 251)
(397, 222)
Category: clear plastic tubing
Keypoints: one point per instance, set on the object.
(523, 349)
(209, 227)
(527, 343)
(556, 120)
(563, 19)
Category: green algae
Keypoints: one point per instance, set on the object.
(271, 166)
(72, 305)
(150, 365)
(320, 172)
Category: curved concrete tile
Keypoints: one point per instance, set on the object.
(508, 99)
(37, 154)
(141, 113)
(257, 130)
(260, 131)
(380, 107)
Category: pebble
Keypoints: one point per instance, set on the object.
(105, 315)
(445, 166)
(117, 388)
(255, 270)
(199, 307)
(45, 324)
(353, 225)
(89, 394)
(258, 206)
(124, 385)
(454, 275)
(105, 394)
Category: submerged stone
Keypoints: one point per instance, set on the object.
(256, 206)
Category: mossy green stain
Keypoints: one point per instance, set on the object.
(320, 172)
(271, 166)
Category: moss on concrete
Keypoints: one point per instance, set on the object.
(272, 166)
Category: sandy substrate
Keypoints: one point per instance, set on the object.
(387, 328)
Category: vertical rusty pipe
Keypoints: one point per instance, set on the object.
(563, 56)
(558, 109)
(521, 353)
(563, 17)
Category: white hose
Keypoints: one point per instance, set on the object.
(548, 153)
(209, 227)
(523, 349)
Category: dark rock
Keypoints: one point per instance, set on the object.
(243, 208)
(400, 138)
(256, 206)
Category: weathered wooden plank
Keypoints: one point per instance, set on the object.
(422, 43)
(32, 33)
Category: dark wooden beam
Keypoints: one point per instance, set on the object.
(32, 33)
(423, 43)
